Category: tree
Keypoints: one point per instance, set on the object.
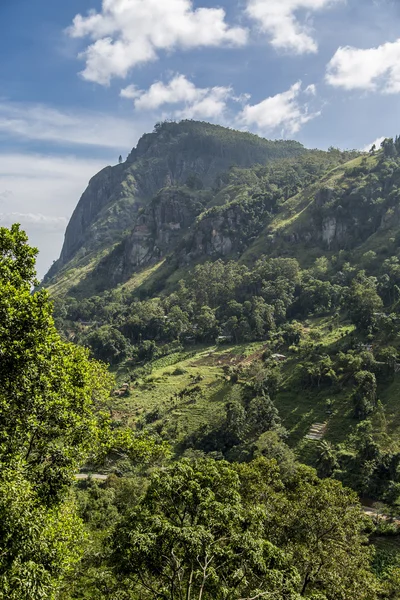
(208, 530)
(319, 525)
(389, 356)
(39, 546)
(109, 344)
(178, 322)
(389, 149)
(262, 415)
(207, 324)
(234, 428)
(120, 159)
(48, 392)
(365, 395)
(327, 460)
(192, 537)
(320, 371)
(364, 301)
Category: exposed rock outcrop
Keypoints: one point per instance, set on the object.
(175, 154)
(333, 230)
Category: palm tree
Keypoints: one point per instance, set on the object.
(327, 459)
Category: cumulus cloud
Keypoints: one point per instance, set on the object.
(377, 143)
(40, 193)
(283, 111)
(205, 103)
(279, 19)
(127, 33)
(374, 69)
(41, 122)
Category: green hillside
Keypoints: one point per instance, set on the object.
(272, 293)
(244, 296)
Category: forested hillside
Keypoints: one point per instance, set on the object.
(270, 291)
(246, 297)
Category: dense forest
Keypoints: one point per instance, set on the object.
(200, 401)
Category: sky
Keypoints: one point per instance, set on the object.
(82, 80)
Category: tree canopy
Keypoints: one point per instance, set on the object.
(211, 530)
(48, 393)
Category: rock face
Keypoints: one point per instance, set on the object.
(105, 187)
(108, 204)
(324, 196)
(333, 230)
(216, 234)
(158, 230)
(125, 198)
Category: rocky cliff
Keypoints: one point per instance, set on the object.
(122, 200)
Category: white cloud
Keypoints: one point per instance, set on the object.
(41, 122)
(42, 222)
(278, 18)
(131, 32)
(41, 193)
(213, 105)
(374, 69)
(311, 89)
(181, 99)
(205, 103)
(377, 143)
(283, 111)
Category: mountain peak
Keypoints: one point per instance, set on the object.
(172, 155)
(187, 132)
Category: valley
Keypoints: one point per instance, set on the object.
(244, 296)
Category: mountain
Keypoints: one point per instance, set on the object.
(244, 289)
(246, 296)
(189, 154)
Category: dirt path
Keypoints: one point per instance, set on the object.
(375, 513)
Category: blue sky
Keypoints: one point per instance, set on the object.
(81, 80)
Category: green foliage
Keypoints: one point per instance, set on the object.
(365, 394)
(48, 392)
(109, 344)
(142, 449)
(364, 301)
(190, 536)
(292, 269)
(207, 530)
(262, 415)
(39, 545)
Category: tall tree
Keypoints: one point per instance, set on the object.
(192, 538)
(48, 390)
(364, 301)
(319, 525)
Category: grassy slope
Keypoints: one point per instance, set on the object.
(294, 216)
(173, 374)
(298, 407)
